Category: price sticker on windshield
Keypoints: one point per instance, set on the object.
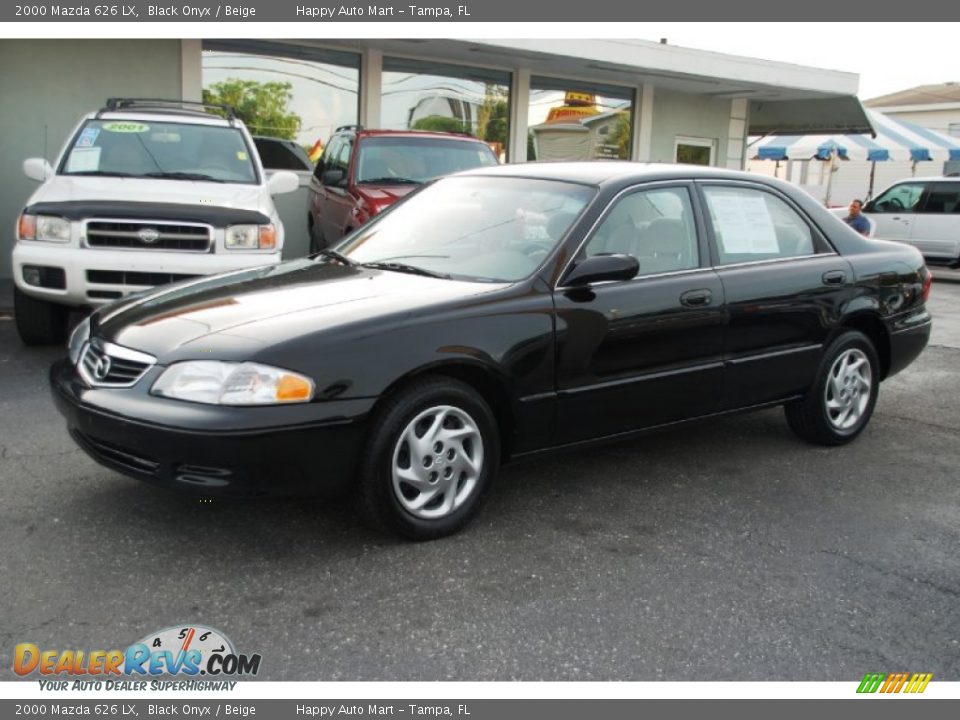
(126, 127)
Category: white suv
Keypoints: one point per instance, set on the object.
(923, 212)
(145, 192)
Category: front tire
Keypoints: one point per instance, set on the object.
(39, 322)
(433, 452)
(839, 404)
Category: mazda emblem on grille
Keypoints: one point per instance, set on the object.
(102, 368)
(148, 235)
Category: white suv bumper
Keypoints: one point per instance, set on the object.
(97, 276)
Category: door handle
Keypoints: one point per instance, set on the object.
(696, 298)
(834, 277)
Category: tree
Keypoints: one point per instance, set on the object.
(263, 106)
(622, 135)
(440, 123)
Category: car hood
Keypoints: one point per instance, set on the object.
(62, 188)
(233, 316)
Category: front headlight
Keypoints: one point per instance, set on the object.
(48, 228)
(78, 338)
(251, 237)
(229, 383)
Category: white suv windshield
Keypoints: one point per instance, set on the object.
(494, 229)
(167, 150)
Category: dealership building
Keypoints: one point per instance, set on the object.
(532, 99)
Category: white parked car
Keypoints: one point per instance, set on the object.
(145, 192)
(923, 212)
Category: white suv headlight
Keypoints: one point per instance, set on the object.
(230, 383)
(251, 237)
(48, 228)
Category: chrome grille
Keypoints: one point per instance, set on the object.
(147, 235)
(109, 365)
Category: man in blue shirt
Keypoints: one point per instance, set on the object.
(856, 220)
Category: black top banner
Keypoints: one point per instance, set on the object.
(323, 11)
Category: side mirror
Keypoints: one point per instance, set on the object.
(333, 177)
(37, 169)
(600, 268)
(283, 181)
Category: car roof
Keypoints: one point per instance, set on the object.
(600, 172)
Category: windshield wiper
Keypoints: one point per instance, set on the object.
(102, 173)
(390, 181)
(404, 268)
(333, 255)
(183, 176)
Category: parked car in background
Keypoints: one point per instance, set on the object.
(282, 154)
(496, 314)
(362, 172)
(923, 212)
(145, 192)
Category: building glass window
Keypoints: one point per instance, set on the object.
(693, 151)
(421, 95)
(573, 120)
(294, 92)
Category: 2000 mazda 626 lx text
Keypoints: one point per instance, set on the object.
(490, 315)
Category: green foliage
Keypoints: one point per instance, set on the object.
(440, 123)
(622, 136)
(263, 106)
(497, 124)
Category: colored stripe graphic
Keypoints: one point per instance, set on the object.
(892, 683)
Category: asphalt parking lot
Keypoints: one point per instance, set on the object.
(723, 551)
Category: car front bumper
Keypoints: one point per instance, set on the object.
(93, 277)
(214, 450)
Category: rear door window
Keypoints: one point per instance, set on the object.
(942, 199)
(751, 224)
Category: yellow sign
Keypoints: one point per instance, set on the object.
(125, 127)
(579, 98)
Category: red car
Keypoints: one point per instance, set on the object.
(362, 172)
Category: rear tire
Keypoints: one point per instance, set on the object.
(434, 449)
(39, 322)
(839, 404)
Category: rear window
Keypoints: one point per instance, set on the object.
(418, 159)
(167, 150)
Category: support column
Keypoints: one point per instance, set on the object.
(643, 132)
(519, 106)
(191, 70)
(737, 135)
(371, 83)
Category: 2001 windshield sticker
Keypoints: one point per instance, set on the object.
(182, 650)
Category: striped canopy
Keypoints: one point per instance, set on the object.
(896, 140)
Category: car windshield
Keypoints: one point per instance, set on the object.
(415, 160)
(494, 229)
(165, 150)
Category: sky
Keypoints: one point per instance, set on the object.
(887, 56)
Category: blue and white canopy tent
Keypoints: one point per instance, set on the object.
(894, 140)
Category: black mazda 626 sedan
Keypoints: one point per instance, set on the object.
(491, 315)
